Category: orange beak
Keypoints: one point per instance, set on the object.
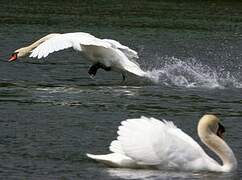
(13, 57)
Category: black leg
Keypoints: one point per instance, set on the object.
(93, 69)
(124, 78)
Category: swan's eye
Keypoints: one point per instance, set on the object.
(221, 130)
(14, 54)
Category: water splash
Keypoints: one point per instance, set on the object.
(191, 74)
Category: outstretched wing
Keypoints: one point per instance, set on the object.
(64, 41)
(149, 141)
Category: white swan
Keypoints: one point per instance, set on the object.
(103, 53)
(148, 142)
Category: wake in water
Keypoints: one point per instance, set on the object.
(191, 73)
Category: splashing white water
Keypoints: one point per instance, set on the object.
(190, 73)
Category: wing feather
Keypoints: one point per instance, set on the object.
(64, 41)
(130, 53)
(129, 65)
(116, 147)
(150, 141)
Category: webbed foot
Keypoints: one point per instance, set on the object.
(93, 70)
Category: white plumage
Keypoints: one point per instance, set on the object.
(107, 54)
(64, 41)
(150, 142)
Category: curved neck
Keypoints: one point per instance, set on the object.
(220, 147)
(43, 39)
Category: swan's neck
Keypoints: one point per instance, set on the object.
(220, 147)
(26, 50)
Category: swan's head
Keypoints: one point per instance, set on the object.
(208, 124)
(18, 54)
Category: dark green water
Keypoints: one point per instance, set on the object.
(52, 112)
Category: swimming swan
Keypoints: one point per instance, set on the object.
(106, 54)
(149, 142)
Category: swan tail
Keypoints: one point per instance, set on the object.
(105, 159)
(134, 69)
(113, 160)
(145, 74)
(95, 157)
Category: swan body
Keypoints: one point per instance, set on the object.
(103, 53)
(149, 142)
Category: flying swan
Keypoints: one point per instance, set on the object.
(149, 142)
(106, 54)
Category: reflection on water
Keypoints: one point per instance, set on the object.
(52, 90)
(155, 174)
